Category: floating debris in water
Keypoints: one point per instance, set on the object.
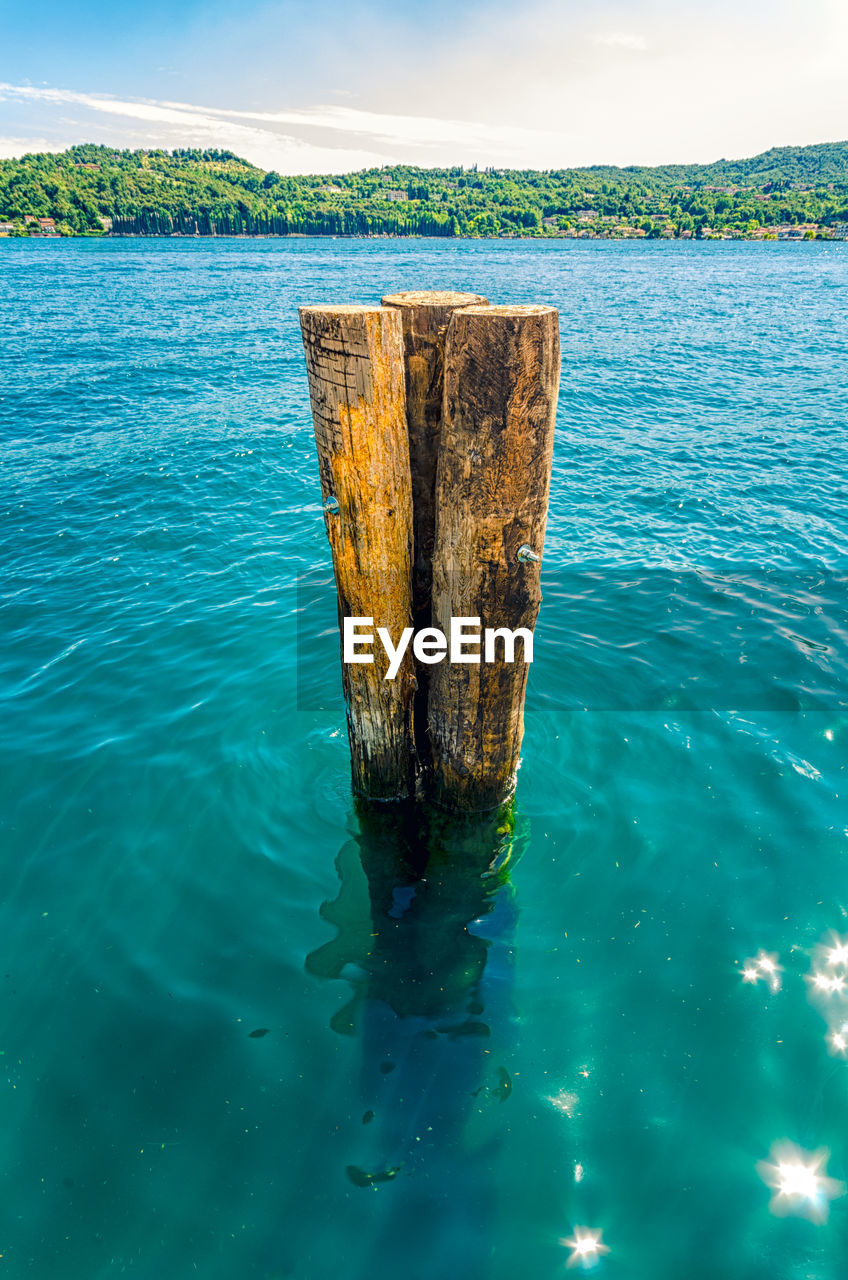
(258, 1033)
(368, 1117)
(501, 1090)
(386, 1067)
(360, 1178)
(331, 506)
(466, 1029)
(526, 555)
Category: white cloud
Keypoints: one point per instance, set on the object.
(425, 131)
(399, 138)
(547, 86)
(622, 40)
(181, 125)
(10, 148)
(711, 80)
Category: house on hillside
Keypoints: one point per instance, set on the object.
(805, 230)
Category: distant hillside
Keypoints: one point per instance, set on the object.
(814, 166)
(92, 190)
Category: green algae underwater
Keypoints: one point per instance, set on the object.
(248, 1029)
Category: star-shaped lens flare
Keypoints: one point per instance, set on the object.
(764, 965)
(799, 1181)
(839, 1040)
(827, 984)
(838, 953)
(831, 984)
(586, 1248)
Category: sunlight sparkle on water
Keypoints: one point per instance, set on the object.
(838, 953)
(565, 1102)
(828, 988)
(833, 985)
(764, 965)
(799, 1181)
(586, 1248)
(766, 962)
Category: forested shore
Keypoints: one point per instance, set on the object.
(785, 193)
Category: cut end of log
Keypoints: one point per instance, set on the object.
(341, 309)
(514, 312)
(424, 298)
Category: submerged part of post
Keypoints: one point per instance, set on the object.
(502, 367)
(355, 365)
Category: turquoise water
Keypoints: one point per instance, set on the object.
(573, 1048)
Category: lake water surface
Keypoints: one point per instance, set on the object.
(570, 1047)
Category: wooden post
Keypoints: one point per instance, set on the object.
(354, 361)
(501, 381)
(425, 321)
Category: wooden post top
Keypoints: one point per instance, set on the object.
(510, 311)
(424, 298)
(344, 309)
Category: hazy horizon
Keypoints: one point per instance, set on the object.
(555, 86)
(212, 146)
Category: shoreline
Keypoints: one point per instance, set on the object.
(546, 239)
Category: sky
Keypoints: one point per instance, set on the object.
(329, 87)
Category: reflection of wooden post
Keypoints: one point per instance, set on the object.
(501, 382)
(354, 360)
(402, 930)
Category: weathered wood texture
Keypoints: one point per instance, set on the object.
(425, 320)
(425, 317)
(354, 361)
(501, 381)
